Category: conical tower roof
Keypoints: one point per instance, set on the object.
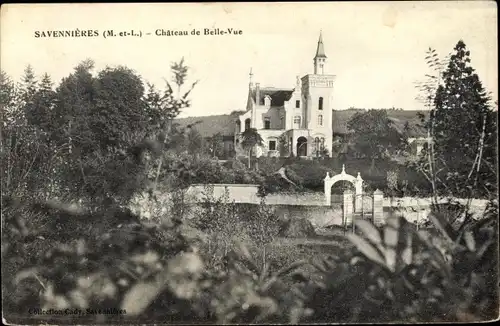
(320, 51)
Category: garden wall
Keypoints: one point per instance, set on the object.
(239, 193)
(309, 205)
(247, 193)
(319, 216)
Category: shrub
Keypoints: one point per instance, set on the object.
(297, 228)
(310, 173)
(396, 273)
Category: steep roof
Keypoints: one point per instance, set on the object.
(320, 51)
(278, 95)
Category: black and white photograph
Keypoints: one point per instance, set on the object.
(249, 163)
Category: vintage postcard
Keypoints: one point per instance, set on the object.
(249, 163)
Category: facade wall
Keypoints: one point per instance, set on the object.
(271, 135)
(315, 87)
(273, 114)
(308, 90)
(291, 110)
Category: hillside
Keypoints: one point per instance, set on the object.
(209, 125)
(399, 117)
(225, 123)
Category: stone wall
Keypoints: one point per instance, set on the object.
(422, 202)
(247, 193)
(319, 216)
(309, 205)
(239, 193)
(305, 199)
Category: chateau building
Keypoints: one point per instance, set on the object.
(294, 121)
(299, 121)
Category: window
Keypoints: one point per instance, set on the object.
(320, 120)
(297, 104)
(267, 123)
(272, 145)
(317, 144)
(282, 122)
(296, 122)
(247, 124)
(320, 104)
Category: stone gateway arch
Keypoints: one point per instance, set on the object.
(356, 181)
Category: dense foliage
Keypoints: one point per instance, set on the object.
(374, 135)
(462, 157)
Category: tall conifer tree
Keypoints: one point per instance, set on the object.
(464, 130)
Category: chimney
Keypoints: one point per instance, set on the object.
(257, 93)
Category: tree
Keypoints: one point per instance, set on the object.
(71, 117)
(28, 86)
(284, 145)
(194, 141)
(43, 104)
(427, 95)
(27, 159)
(374, 135)
(179, 74)
(172, 106)
(118, 107)
(7, 98)
(10, 126)
(250, 139)
(155, 108)
(464, 131)
(406, 129)
(215, 145)
(95, 120)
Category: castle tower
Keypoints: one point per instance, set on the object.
(320, 57)
(317, 92)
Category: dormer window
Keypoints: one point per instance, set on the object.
(297, 104)
(320, 104)
(267, 101)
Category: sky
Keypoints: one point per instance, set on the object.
(376, 50)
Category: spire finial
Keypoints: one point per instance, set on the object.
(250, 75)
(320, 50)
